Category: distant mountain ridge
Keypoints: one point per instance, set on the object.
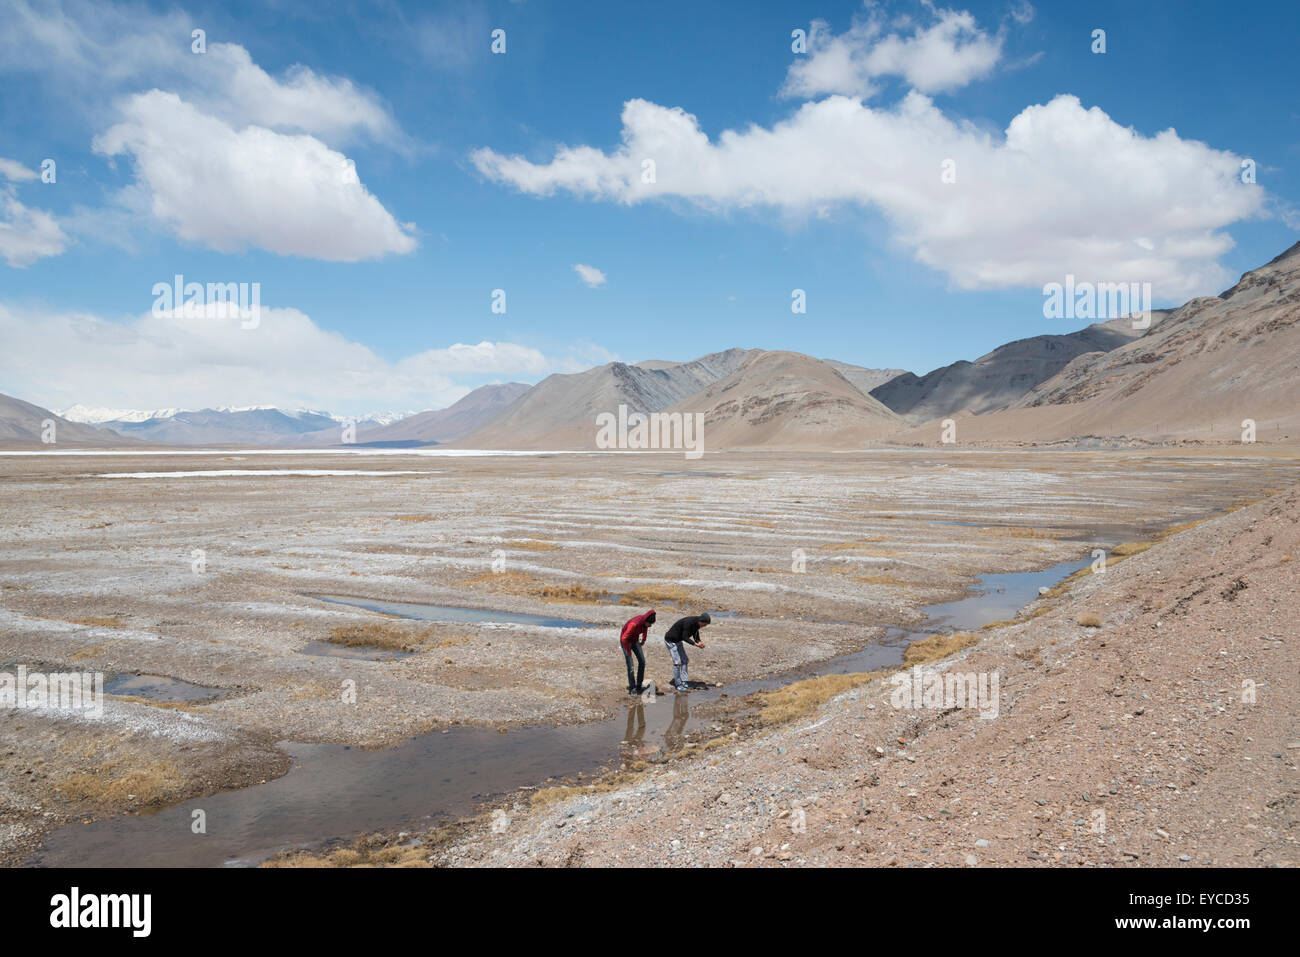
(1207, 370)
(788, 400)
(23, 424)
(445, 425)
(999, 378)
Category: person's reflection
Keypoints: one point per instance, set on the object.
(675, 734)
(634, 738)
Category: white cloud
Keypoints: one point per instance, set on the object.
(215, 159)
(1064, 190)
(948, 53)
(504, 358)
(15, 171)
(167, 361)
(592, 276)
(230, 189)
(26, 234)
(333, 108)
(1023, 11)
(95, 51)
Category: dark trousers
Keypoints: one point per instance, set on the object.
(635, 647)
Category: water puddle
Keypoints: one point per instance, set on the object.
(478, 616)
(335, 790)
(330, 649)
(693, 474)
(159, 688)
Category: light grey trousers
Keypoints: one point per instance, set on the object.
(677, 649)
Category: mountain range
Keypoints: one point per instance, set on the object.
(1204, 371)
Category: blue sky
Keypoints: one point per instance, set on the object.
(225, 166)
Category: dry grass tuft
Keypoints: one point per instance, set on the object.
(116, 784)
(379, 634)
(650, 595)
(572, 594)
(610, 782)
(937, 646)
(849, 546)
(1089, 620)
(802, 697)
(1016, 531)
(111, 621)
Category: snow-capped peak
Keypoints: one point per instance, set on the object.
(91, 415)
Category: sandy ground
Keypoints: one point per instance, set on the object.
(99, 574)
(1166, 736)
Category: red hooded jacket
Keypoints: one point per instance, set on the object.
(635, 628)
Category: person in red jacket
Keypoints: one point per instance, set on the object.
(631, 640)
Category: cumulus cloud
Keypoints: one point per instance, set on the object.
(949, 52)
(26, 234)
(592, 276)
(236, 89)
(168, 360)
(505, 358)
(230, 189)
(15, 171)
(95, 51)
(216, 155)
(1065, 189)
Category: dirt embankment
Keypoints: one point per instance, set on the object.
(1146, 716)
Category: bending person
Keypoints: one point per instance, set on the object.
(631, 640)
(684, 631)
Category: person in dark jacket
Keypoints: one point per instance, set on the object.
(684, 631)
(631, 640)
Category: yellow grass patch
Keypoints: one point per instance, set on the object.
(117, 783)
(937, 646)
(849, 546)
(112, 621)
(533, 545)
(802, 697)
(610, 782)
(1089, 620)
(1016, 531)
(572, 594)
(650, 595)
(378, 634)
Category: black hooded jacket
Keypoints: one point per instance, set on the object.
(685, 629)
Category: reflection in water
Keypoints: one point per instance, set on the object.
(634, 739)
(674, 735)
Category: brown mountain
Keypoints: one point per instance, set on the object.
(1197, 375)
(789, 400)
(443, 425)
(560, 411)
(1001, 377)
(22, 425)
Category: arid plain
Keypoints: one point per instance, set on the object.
(209, 586)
